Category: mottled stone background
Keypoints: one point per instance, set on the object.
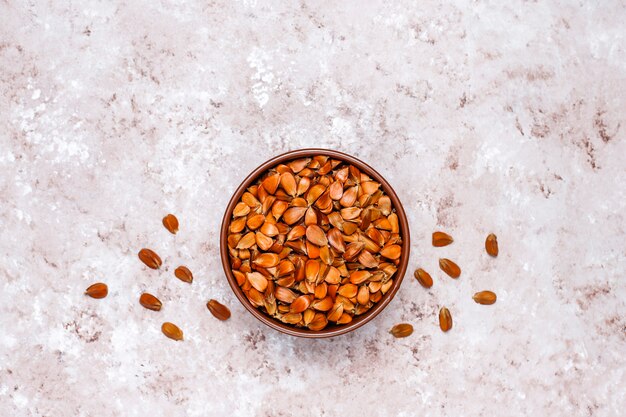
(486, 116)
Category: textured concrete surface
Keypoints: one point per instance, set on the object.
(503, 117)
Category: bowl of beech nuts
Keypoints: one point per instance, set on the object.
(314, 243)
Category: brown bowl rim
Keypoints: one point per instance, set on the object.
(335, 330)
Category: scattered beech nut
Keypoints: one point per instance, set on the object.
(441, 239)
(401, 330)
(150, 302)
(449, 267)
(150, 258)
(314, 242)
(485, 297)
(491, 245)
(184, 274)
(219, 310)
(97, 290)
(172, 331)
(445, 319)
(423, 278)
(171, 223)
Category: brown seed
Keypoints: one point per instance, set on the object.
(250, 200)
(278, 208)
(288, 182)
(296, 233)
(363, 296)
(184, 274)
(310, 217)
(384, 204)
(150, 302)
(294, 214)
(393, 220)
(255, 221)
(348, 306)
(285, 267)
(391, 251)
(240, 277)
(171, 223)
(344, 319)
(449, 267)
(263, 242)
(311, 270)
(291, 318)
(423, 278)
(374, 286)
(97, 290)
(269, 229)
(336, 240)
(300, 304)
(353, 250)
(241, 209)
(233, 239)
(150, 258)
(383, 224)
(349, 197)
(219, 310)
(445, 319)
(321, 290)
(349, 227)
(257, 280)
(315, 193)
(369, 187)
(266, 260)
(401, 330)
(284, 294)
(335, 313)
(271, 183)
(308, 316)
(326, 256)
(348, 290)
(485, 297)
(316, 235)
(367, 259)
(247, 241)
(376, 236)
(376, 296)
(359, 277)
(333, 276)
(255, 297)
(350, 213)
(319, 322)
(441, 239)
(287, 281)
(172, 331)
(299, 164)
(386, 286)
(324, 304)
(342, 174)
(303, 185)
(335, 190)
(237, 225)
(325, 169)
(491, 245)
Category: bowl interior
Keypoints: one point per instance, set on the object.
(333, 330)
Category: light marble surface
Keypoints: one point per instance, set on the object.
(485, 116)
